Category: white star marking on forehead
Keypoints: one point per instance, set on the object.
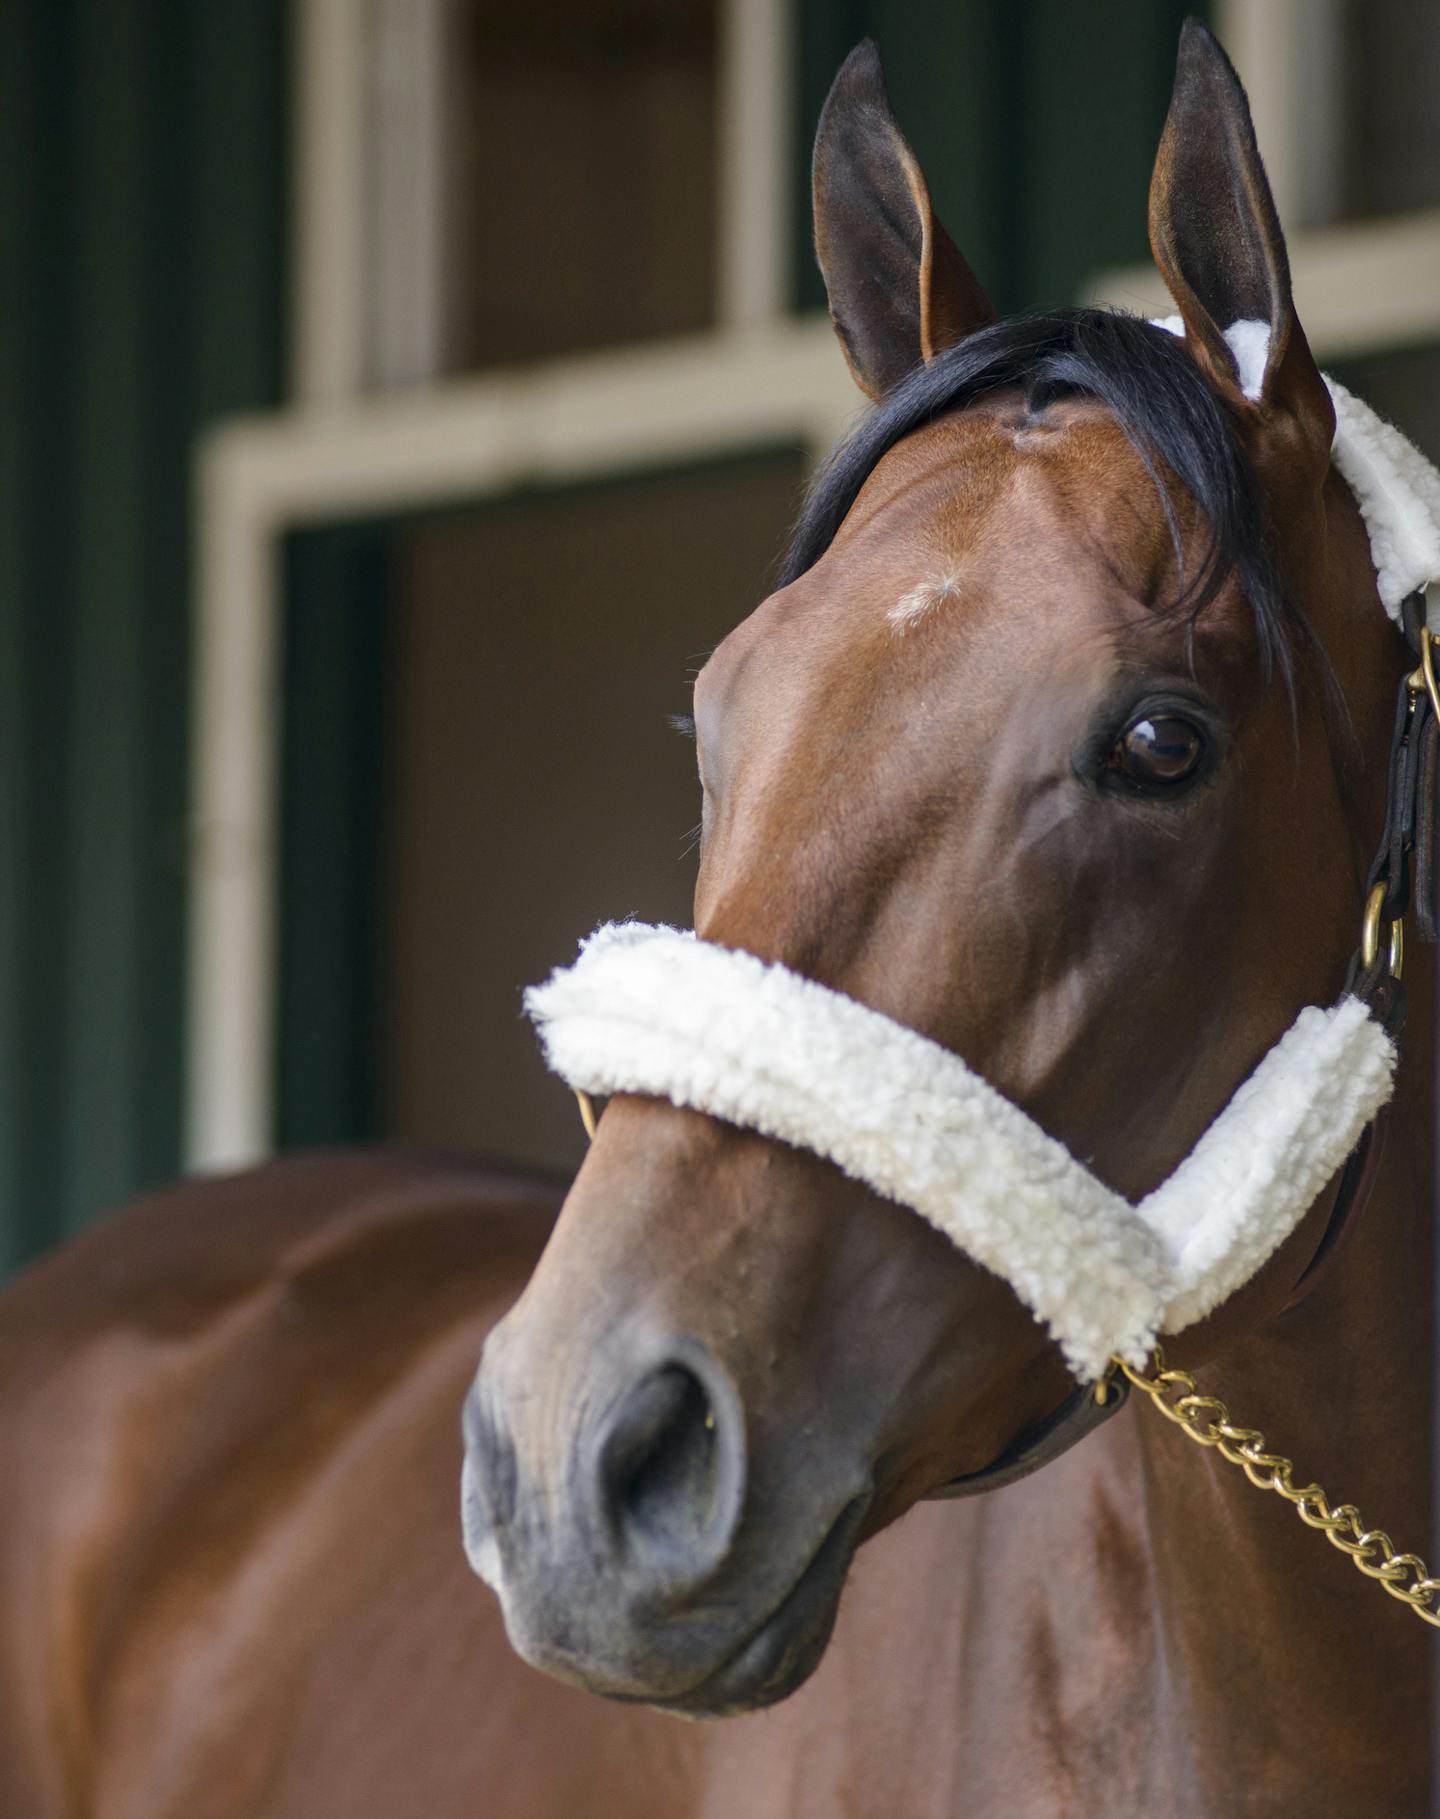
(923, 599)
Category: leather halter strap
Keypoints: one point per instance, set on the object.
(1352, 1196)
(1082, 1411)
(1404, 866)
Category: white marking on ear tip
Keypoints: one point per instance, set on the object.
(922, 600)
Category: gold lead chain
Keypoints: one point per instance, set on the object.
(1206, 1420)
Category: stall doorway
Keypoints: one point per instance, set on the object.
(480, 766)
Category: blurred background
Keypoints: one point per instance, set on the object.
(399, 399)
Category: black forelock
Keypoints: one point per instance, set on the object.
(1161, 401)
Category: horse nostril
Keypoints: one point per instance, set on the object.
(668, 1466)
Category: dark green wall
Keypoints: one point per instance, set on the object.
(1036, 122)
(339, 594)
(141, 232)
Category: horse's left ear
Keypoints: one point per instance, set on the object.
(1217, 241)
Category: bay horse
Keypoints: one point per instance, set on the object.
(1064, 742)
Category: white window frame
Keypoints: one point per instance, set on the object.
(337, 451)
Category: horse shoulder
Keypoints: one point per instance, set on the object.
(231, 1417)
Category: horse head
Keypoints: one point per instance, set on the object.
(1054, 745)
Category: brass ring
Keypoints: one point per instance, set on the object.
(1370, 934)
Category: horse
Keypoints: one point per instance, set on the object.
(1064, 743)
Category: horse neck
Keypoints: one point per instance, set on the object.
(1269, 1635)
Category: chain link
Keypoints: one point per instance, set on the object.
(1206, 1420)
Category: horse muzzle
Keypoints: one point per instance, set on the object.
(613, 1527)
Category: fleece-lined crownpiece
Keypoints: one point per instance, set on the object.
(656, 1011)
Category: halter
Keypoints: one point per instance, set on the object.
(661, 1013)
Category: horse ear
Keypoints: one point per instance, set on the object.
(900, 291)
(1217, 241)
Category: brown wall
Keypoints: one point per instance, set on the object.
(537, 788)
(582, 175)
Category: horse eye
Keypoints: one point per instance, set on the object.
(1158, 751)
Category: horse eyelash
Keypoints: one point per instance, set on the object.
(684, 724)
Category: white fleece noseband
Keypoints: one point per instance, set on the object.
(658, 1012)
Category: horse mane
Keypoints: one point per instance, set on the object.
(1159, 397)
